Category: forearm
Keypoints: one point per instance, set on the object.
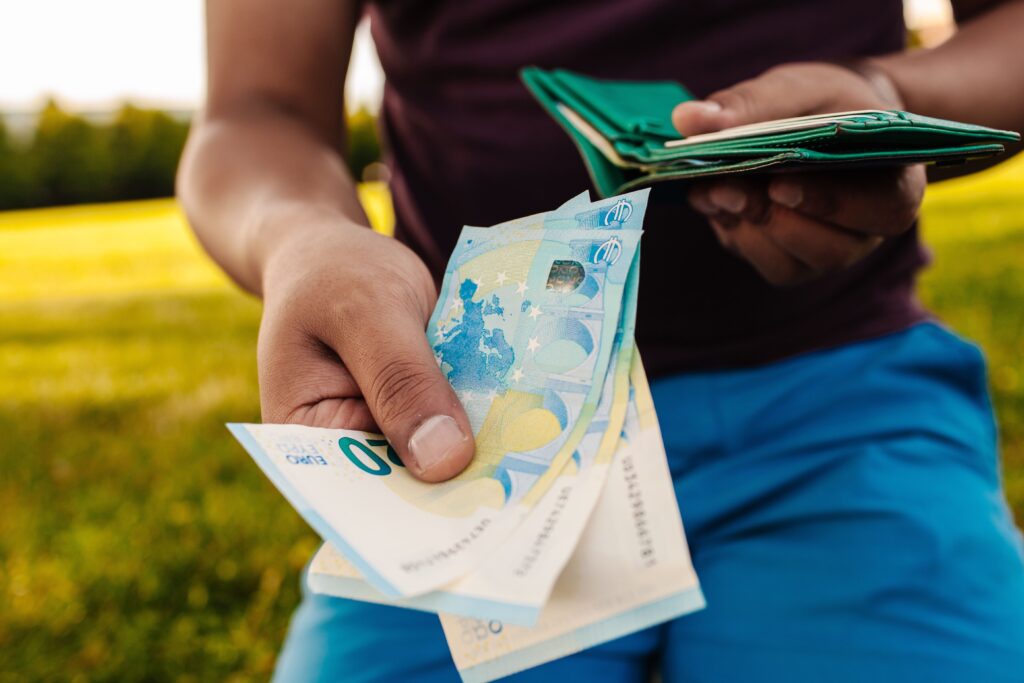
(974, 76)
(249, 180)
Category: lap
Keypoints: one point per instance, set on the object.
(343, 640)
(846, 519)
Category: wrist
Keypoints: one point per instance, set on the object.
(292, 231)
(879, 80)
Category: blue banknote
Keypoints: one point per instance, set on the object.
(524, 331)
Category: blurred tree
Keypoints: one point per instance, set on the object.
(68, 158)
(144, 149)
(15, 186)
(71, 160)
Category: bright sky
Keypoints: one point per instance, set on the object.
(92, 54)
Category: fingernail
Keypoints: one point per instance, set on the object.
(709, 106)
(728, 198)
(787, 194)
(434, 440)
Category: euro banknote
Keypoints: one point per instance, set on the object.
(564, 531)
(563, 305)
(524, 330)
(631, 569)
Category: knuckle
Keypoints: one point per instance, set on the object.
(400, 283)
(779, 75)
(409, 284)
(398, 388)
(378, 295)
(390, 289)
(786, 78)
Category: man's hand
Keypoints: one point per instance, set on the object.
(795, 226)
(342, 344)
(342, 341)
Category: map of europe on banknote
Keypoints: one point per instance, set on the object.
(524, 330)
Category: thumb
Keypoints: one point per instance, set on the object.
(769, 96)
(408, 396)
(697, 116)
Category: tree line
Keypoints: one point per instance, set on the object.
(68, 159)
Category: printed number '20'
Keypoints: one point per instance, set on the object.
(366, 459)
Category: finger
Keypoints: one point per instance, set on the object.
(824, 248)
(880, 202)
(745, 198)
(385, 348)
(774, 94)
(697, 116)
(751, 243)
(303, 382)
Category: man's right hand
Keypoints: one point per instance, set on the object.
(342, 343)
(265, 187)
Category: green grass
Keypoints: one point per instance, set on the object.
(138, 542)
(975, 228)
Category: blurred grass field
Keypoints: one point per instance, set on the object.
(137, 540)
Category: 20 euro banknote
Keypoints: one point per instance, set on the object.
(631, 569)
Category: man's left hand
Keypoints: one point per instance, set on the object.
(793, 227)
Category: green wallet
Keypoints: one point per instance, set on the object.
(624, 132)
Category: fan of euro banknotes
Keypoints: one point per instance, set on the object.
(564, 531)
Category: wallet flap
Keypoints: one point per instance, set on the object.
(618, 110)
(633, 108)
(605, 175)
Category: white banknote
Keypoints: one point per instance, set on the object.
(631, 569)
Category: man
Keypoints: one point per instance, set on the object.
(833, 452)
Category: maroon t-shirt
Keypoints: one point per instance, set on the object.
(467, 144)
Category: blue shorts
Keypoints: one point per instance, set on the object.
(846, 519)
